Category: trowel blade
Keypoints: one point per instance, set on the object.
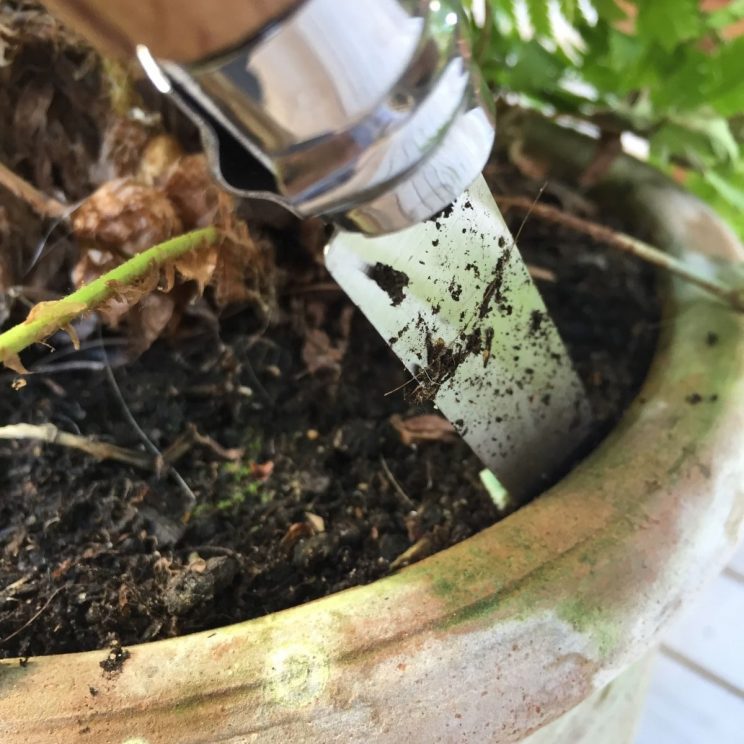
(454, 300)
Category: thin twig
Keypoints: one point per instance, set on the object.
(529, 210)
(541, 274)
(33, 618)
(405, 498)
(420, 549)
(149, 444)
(50, 434)
(177, 448)
(43, 205)
(602, 234)
(231, 454)
(43, 248)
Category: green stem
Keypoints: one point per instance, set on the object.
(48, 317)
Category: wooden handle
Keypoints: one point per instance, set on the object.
(177, 30)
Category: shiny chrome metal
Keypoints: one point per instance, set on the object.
(364, 112)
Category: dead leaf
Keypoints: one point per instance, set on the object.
(69, 329)
(261, 471)
(425, 428)
(121, 150)
(62, 568)
(149, 319)
(415, 552)
(295, 532)
(243, 270)
(15, 543)
(126, 218)
(315, 521)
(48, 311)
(197, 266)
(194, 193)
(319, 353)
(13, 362)
(124, 598)
(160, 154)
(126, 296)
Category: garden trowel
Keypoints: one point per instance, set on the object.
(368, 114)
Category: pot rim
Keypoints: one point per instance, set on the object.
(501, 633)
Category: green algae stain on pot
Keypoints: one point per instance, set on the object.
(594, 622)
(11, 675)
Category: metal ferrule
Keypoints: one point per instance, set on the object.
(364, 112)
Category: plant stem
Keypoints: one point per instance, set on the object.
(43, 205)
(48, 317)
(602, 234)
(101, 450)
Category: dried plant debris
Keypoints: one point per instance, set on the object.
(172, 194)
(52, 101)
(70, 126)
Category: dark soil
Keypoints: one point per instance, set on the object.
(390, 281)
(324, 494)
(103, 549)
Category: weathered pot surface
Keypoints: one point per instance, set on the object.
(497, 636)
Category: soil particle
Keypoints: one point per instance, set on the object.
(391, 281)
(494, 290)
(536, 320)
(314, 550)
(442, 215)
(197, 585)
(114, 662)
(443, 361)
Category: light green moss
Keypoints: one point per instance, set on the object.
(591, 620)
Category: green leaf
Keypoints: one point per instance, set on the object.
(535, 69)
(725, 189)
(624, 49)
(733, 215)
(669, 22)
(726, 87)
(540, 18)
(660, 82)
(704, 141)
(568, 8)
(609, 10)
(732, 13)
(505, 8)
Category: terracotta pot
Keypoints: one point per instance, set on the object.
(503, 633)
